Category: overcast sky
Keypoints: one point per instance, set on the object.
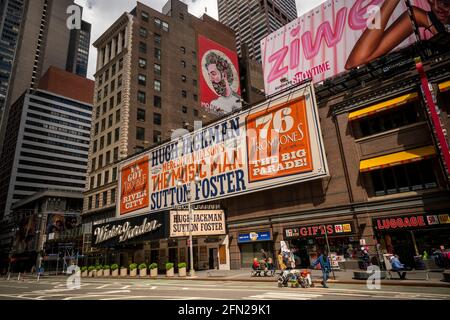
(102, 13)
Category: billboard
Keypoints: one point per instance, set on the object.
(273, 144)
(340, 35)
(205, 223)
(220, 91)
(134, 192)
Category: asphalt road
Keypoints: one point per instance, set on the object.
(117, 289)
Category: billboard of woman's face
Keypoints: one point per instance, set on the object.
(340, 35)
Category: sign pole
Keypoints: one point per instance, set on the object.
(328, 252)
(191, 245)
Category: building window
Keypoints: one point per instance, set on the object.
(106, 177)
(100, 161)
(157, 54)
(142, 97)
(95, 146)
(140, 134)
(115, 157)
(196, 114)
(143, 32)
(90, 203)
(93, 164)
(195, 97)
(109, 139)
(157, 102)
(142, 80)
(157, 39)
(108, 161)
(141, 115)
(165, 26)
(113, 196)
(183, 64)
(183, 50)
(144, 16)
(184, 109)
(114, 174)
(121, 64)
(181, 15)
(117, 116)
(389, 120)
(184, 93)
(157, 137)
(97, 201)
(183, 78)
(99, 180)
(119, 81)
(106, 75)
(119, 98)
(97, 113)
(157, 68)
(100, 79)
(105, 107)
(157, 119)
(404, 178)
(142, 63)
(194, 83)
(110, 121)
(142, 47)
(116, 134)
(113, 70)
(158, 23)
(157, 85)
(92, 184)
(111, 103)
(102, 142)
(105, 198)
(103, 124)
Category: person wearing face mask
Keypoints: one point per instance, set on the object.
(376, 42)
(221, 76)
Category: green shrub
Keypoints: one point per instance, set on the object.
(169, 265)
(83, 269)
(133, 266)
(99, 267)
(114, 267)
(182, 265)
(142, 266)
(106, 267)
(153, 266)
(91, 268)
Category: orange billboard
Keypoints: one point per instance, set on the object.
(278, 142)
(134, 186)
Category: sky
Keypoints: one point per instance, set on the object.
(102, 13)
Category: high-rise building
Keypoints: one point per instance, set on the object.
(147, 84)
(47, 138)
(253, 20)
(11, 17)
(43, 40)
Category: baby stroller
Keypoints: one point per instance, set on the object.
(286, 276)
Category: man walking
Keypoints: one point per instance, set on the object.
(325, 265)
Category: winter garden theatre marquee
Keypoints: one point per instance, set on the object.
(275, 143)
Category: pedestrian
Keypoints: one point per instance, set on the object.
(398, 266)
(325, 265)
(281, 263)
(264, 255)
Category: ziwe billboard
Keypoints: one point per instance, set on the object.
(273, 144)
(340, 35)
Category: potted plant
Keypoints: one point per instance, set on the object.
(169, 270)
(115, 270)
(142, 270)
(99, 269)
(84, 271)
(133, 269)
(153, 270)
(123, 271)
(92, 271)
(106, 270)
(182, 269)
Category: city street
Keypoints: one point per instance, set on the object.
(115, 289)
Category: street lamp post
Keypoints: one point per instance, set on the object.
(191, 218)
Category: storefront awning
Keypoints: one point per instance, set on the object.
(444, 86)
(397, 159)
(383, 106)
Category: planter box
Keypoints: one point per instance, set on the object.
(170, 273)
(133, 273)
(92, 274)
(106, 273)
(84, 274)
(154, 273)
(123, 272)
(99, 273)
(182, 272)
(115, 273)
(143, 272)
